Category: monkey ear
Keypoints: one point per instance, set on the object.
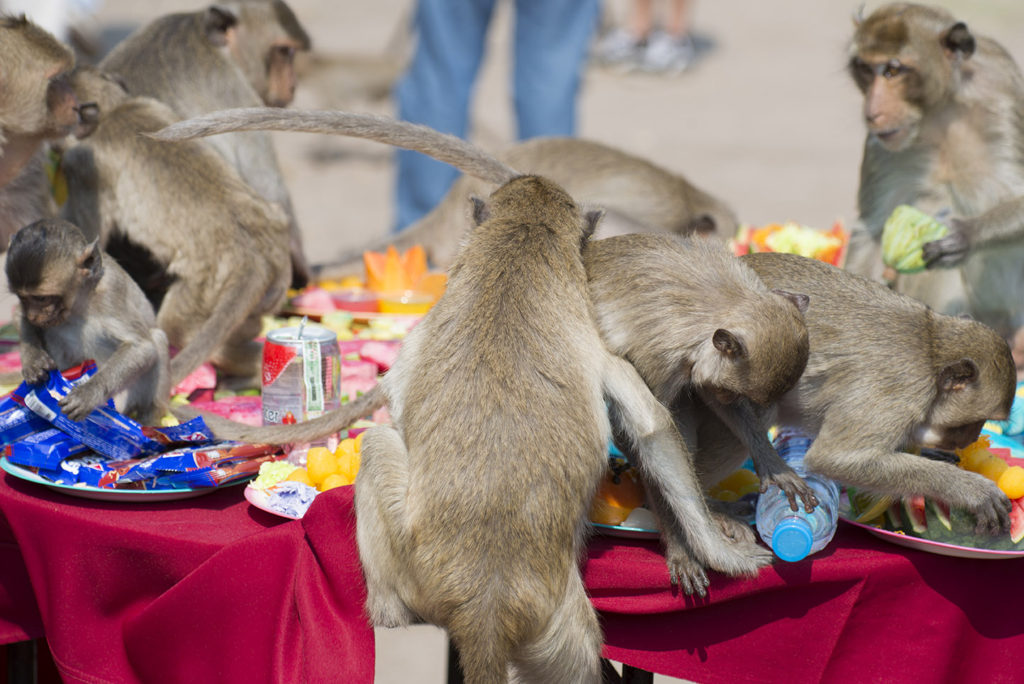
(481, 211)
(702, 225)
(727, 343)
(216, 23)
(958, 39)
(800, 301)
(958, 375)
(89, 260)
(590, 221)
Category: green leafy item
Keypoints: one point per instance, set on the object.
(905, 231)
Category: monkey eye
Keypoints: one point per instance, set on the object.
(861, 70)
(894, 68)
(286, 51)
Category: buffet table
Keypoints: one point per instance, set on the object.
(213, 589)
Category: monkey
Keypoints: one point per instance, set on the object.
(466, 157)
(78, 304)
(230, 54)
(887, 373)
(946, 134)
(222, 255)
(703, 332)
(37, 104)
(637, 195)
(510, 361)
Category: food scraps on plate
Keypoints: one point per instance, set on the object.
(793, 238)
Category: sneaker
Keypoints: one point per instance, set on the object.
(666, 54)
(619, 48)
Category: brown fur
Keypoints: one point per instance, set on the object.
(224, 251)
(36, 104)
(637, 197)
(232, 54)
(946, 134)
(703, 331)
(77, 304)
(498, 400)
(886, 373)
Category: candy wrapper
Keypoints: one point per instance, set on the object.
(104, 430)
(18, 421)
(44, 449)
(205, 466)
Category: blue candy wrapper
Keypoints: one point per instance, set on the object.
(17, 420)
(44, 449)
(104, 430)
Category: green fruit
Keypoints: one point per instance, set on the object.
(914, 515)
(905, 231)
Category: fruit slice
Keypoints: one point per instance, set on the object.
(867, 505)
(617, 495)
(1017, 520)
(914, 515)
(939, 525)
(1012, 482)
(905, 231)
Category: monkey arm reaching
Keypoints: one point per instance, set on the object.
(1001, 225)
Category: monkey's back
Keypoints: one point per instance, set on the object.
(505, 400)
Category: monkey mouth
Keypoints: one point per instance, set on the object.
(891, 138)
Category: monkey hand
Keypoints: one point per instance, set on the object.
(684, 570)
(991, 507)
(36, 365)
(793, 485)
(948, 251)
(81, 400)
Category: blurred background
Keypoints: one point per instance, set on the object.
(766, 118)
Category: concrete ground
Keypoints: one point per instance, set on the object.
(767, 119)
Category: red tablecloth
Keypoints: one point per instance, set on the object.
(863, 610)
(201, 590)
(212, 589)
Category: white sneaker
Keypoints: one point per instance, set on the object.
(619, 48)
(666, 54)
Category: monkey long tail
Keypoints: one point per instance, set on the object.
(447, 148)
(307, 431)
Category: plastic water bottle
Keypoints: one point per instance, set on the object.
(794, 535)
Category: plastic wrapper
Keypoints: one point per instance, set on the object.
(223, 473)
(905, 232)
(44, 449)
(104, 430)
(18, 421)
(206, 466)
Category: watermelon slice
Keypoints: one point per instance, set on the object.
(914, 514)
(1017, 520)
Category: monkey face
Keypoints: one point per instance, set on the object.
(44, 311)
(891, 111)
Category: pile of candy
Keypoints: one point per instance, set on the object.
(110, 450)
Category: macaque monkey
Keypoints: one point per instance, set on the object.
(946, 134)
(230, 54)
(220, 249)
(467, 159)
(36, 104)
(885, 374)
(77, 304)
(702, 331)
(509, 361)
(637, 196)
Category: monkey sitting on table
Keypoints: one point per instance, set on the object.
(77, 304)
(472, 509)
(945, 132)
(220, 250)
(36, 104)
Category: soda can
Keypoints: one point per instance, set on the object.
(301, 373)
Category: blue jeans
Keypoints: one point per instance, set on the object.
(550, 44)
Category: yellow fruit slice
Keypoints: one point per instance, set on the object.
(300, 475)
(320, 463)
(335, 480)
(1012, 482)
(993, 468)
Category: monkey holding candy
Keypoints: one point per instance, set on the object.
(76, 304)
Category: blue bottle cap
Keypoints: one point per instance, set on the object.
(792, 539)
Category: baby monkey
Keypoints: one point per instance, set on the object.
(77, 304)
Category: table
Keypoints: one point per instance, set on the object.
(212, 589)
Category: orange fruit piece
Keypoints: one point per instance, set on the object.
(335, 480)
(320, 463)
(300, 475)
(992, 468)
(359, 441)
(615, 500)
(741, 481)
(1012, 482)
(975, 453)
